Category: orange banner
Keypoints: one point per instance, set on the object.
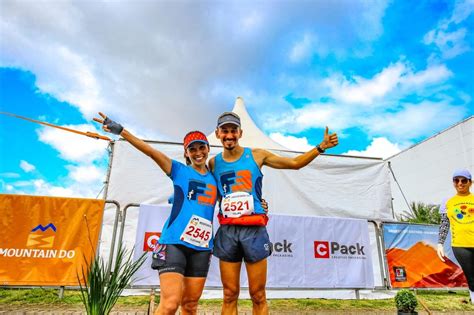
(44, 240)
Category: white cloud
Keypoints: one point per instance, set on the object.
(74, 147)
(291, 142)
(414, 120)
(69, 188)
(379, 105)
(9, 175)
(186, 50)
(450, 36)
(451, 44)
(302, 49)
(86, 174)
(398, 77)
(363, 91)
(27, 167)
(379, 147)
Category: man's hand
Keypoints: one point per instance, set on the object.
(109, 125)
(440, 252)
(265, 205)
(329, 140)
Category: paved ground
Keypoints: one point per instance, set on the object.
(74, 310)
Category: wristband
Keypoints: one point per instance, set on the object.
(320, 150)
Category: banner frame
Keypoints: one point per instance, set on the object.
(114, 232)
(389, 282)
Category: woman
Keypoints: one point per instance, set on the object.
(186, 240)
(458, 214)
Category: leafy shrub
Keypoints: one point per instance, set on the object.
(103, 283)
(406, 301)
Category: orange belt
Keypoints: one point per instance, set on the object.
(254, 219)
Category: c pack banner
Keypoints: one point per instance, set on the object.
(412, 259)
(44, 241)
(308, 252)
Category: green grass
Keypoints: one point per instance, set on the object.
(435, 300)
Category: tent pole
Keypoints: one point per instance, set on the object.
(398, 184)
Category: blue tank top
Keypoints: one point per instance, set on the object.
(241, 175)
(194, 194)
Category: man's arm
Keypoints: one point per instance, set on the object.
(264, 157)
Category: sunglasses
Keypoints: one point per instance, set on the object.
(462, 180)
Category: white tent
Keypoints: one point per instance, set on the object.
(424, 170)
(332, 185)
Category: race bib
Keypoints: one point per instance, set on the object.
(237, 204)
(198, 232)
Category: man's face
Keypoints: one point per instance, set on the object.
(462, 185)
(229, 134)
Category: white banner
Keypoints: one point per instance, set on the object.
(308, 252)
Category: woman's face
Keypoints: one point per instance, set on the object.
(198, 152)
(462, 185)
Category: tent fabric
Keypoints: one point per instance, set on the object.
(335, 186)
(424, 170)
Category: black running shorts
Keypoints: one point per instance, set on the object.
(184, 260)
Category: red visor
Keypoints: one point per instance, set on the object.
(194, 136)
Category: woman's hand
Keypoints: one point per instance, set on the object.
(440, 252)
(109, 125)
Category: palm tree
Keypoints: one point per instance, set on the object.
(422, 213)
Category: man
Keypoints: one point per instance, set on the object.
(242, 234)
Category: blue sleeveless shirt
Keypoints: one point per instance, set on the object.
(241, 175)
(194, 194)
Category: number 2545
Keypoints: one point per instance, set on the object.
(198, 233)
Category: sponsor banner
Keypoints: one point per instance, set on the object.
(151, 219)
(412, 259)
(150, 223)
(308, 252)
(287, 262)
(337, 253)
(46, 240)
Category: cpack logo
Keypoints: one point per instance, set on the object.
(282, 249)
(41, 237)
(150, 241)
(326, 250)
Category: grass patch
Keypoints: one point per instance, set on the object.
(443, 301)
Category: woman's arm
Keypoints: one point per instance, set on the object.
(163, 161)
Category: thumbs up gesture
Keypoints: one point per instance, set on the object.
(329, 140)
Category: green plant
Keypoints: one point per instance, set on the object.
(422, 213)
(102, 289)
(405, 301)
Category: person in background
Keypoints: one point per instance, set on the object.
(458, 214)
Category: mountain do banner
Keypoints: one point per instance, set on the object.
(46, 240)
(412, 259)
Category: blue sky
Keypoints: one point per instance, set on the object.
(383, 74)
